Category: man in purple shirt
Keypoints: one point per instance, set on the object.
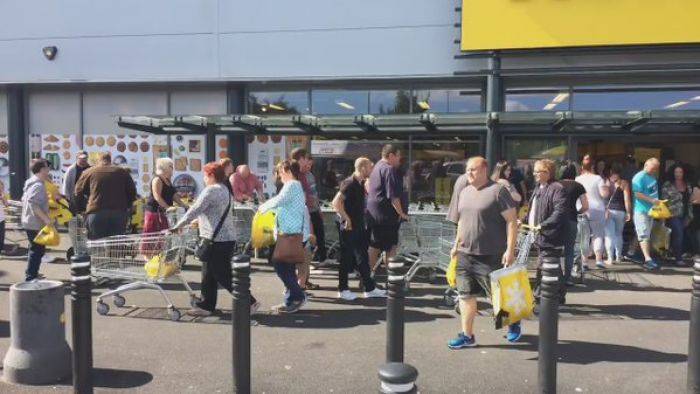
(384, 208)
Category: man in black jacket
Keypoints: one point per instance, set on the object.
(548, 213)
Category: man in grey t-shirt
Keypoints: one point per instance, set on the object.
(486, 233)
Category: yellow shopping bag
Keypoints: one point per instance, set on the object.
(262, 230)
(157, 267)
(660, 211)
(48, 236)
(451, 273)
(511, 295)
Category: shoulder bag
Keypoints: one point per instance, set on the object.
(289, 248)
(203, 250)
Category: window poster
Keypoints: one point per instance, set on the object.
(188, 154)
(264, 152)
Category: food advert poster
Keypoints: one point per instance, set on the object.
(221, 150)
(189, 157)
(264, 152)
(59, 150)
(133, 152)
(5, 163)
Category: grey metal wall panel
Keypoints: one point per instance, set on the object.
(55, 112)
(3, 112)
(116, 58)
(100, 107)
(86, 18)
(198, 101)
(391, 52)
(279, 15)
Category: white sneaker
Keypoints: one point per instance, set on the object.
(254, 308)
(347, 295)
(376, 293)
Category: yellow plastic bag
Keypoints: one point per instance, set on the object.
(156, 270)
(60, 212)
(48, 236)
(451, 273)
(660, 237)
(660, 211)
(511, 295)
(262, 230)
(137, 216)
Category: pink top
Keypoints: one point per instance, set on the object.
(244, 188)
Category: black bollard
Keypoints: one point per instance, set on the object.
(240, 317)
(395, 310)
(81, 314)
(694, 337)
(397, 378)
(549, 323)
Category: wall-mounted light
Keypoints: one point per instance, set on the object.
(50, 52)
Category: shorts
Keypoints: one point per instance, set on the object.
(384, 236)
(473, 274)
(643, 224)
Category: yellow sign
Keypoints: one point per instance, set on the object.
(522, 24)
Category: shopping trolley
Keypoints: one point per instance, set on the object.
(124, 257)
(426, 237)
(14, 233)
(330, 229)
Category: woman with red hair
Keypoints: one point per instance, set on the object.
(213, 210)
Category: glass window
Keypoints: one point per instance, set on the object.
(387, 102)
(446, 101)
(279, 103)
(434, 168)
(339, 102)
(639, 100)
(552, 101)
(523, 152)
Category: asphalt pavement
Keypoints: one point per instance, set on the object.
(624, 331)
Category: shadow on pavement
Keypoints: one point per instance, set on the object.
(107, 378)
(584, 353)
(637, 312)
(345, 318)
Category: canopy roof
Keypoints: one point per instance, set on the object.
(564, 121)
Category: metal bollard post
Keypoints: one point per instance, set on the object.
(398, 378)
(395, 310)
(694, 337)
(81, 314)
(240, 317)
(549, 325)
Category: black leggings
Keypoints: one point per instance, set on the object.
(218, 272)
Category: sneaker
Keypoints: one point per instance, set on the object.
(198, 312)
(609, 263)
(292, 307)
(651, 265)
(347, 295)
(514, 332)
(376, 293)
(462, 341)
(570, 282)
(600, 264)
(254, 307)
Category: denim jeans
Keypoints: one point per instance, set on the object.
(36, 252)
(288, 274)
(614, 225)
(570, 247)
(677, 236)
(353, 253)
(106, 223)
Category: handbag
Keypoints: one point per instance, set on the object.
(204, 246)
(290, 248)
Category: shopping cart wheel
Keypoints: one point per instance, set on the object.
(119, 301)
(175, 314)
(102, 308)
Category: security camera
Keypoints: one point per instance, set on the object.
(50, 52)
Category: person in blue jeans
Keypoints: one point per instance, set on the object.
(618, 212)
(35, 214)
(645, 189)
(292, 217)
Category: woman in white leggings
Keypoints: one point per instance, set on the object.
(597, 191)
